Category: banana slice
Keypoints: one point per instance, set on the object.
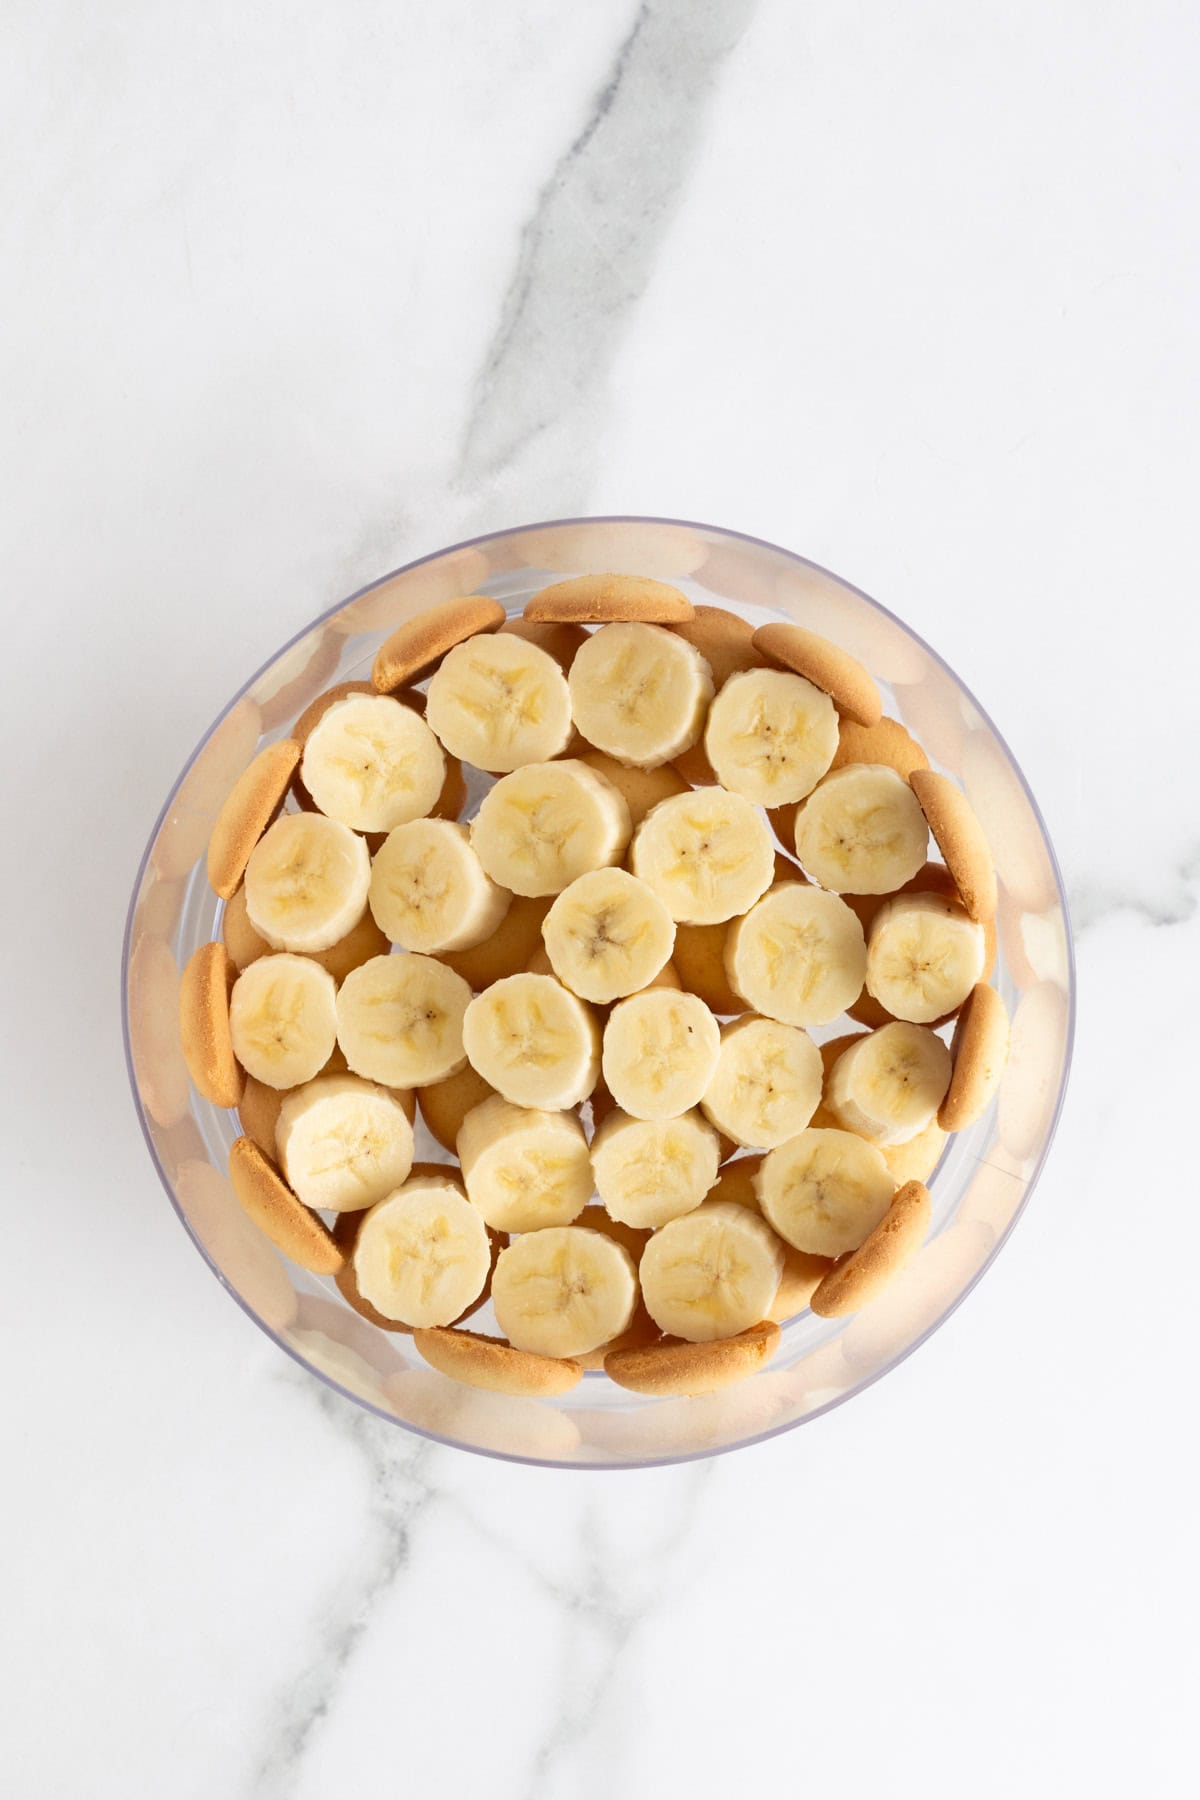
(711, 1274)
(343, 1143)
(639, 693)
(428, 890)
(544, 825)
(824, 1191)
(524, 1168)
(660, 1053)
(534, 1042)
(767, 1083)
(861, 831)
(422, 1255)
(499, 703)
(650, 1170)
(399, 1020)
(924, 955)
(888, 1085)
(708, 855)
(798, 955)
(608, 935)
(564, 1291)
(373, 763)
(771, 736)
(283, 1019)
(306, 882)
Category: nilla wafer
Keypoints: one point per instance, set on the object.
(979, 1048)
(857, 1278)
(204, 1025)
(724, 641)
(558, 640)
(492, 1363)
(277, 1212)
(826, 665)
(603, 599)
(251, 804)
(416, 645)
(674, 1367)
(886, 742)
(959, 836)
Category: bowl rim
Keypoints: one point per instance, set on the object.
(587, 1464)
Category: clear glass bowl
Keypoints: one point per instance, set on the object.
(978, 1190)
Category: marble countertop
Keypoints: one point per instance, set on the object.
(295, 294)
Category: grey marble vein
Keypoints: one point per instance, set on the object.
(588, 249)
(1093, 903)
(401, 1492)
(602, 1614)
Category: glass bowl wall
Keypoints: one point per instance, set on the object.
(979, 1187)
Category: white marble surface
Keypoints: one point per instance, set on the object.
(295, 293)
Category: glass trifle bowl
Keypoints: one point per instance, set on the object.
(978, 1189)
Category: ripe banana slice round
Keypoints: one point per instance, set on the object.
(711, 1274)
(798, 955)
(771, 736)
(343, 1143)
(564, 1291)
(924, 955)
(399, 1020)
(660, 1053)
(824, 1191)
(534, 1042)
(639, 693)
(373, 763)
(422, 1255)
(428, 889)
(708, 855)
(650, 1170)
(283, 1019)
(861, 831)
(544, 825)
(524, 1168)
(607, 935)
(767, 1083)
(499, 703)
(306, 882)
(888, 1085)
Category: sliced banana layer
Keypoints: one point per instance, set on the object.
(711, 1274)
(343, 1143)
(373, 763)
(798, 955)
(544, 825)
(534, 1042)
(639, 693)
(767, 1083)
(306, 882)
(924, 955)
(660, 1053)
(422, 1255)
(824, 1191)
(399, 1020)
(607, 935)
(888, 1085)
(771, 736)
(861, 831)
(708, 855)
(283, 1019)
(428, 888)
(525, 1169)
(499, 703)
(650, 1170)
(564, 1291)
